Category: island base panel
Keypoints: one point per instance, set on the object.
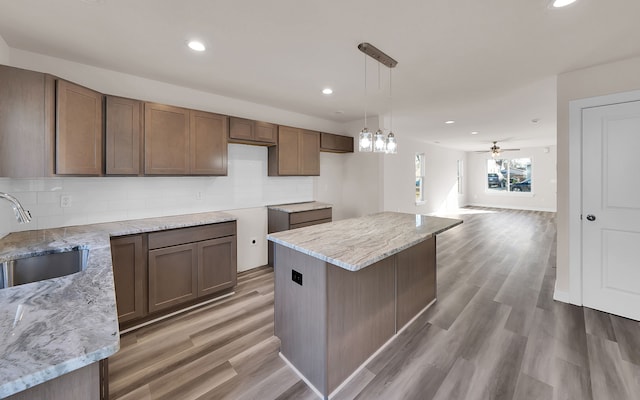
(360, 316)
(300, 313)
(416, 280)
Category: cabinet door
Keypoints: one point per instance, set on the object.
(208, 138)
(288, 150)
(22, 123)
(166, 140)
(336, 143)
(217, 268)
(309, 153)
(173, 276)
(241, 129)
(78, 130)
(266, 132)
(129, 274)
(123, 136)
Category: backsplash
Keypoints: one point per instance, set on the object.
(93, 200)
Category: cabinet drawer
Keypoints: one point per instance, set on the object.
(307, 216)
(189, 235)
(309, 223)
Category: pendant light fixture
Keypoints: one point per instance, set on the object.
(391, 146)
(368, 142)
(365, 142)
(379, 142)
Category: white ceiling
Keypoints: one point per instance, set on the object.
(489, 65)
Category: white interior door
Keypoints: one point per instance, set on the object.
(611, 208)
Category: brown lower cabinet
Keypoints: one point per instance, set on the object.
(173, 276)
(130, 276)
(181, 267)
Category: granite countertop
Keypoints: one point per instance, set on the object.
(52, 327)
(356, 243)
(299, 207)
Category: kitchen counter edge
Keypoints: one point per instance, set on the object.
(56, 326)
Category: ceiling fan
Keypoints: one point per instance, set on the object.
(495, 150)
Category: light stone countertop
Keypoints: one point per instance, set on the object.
(52, 327)
(356, 243)
(299, 207)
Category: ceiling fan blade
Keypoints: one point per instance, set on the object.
(509, 149)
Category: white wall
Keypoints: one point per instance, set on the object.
(440, 184)
(620, 76)
(4, 52)
(543, 172)
(386, 182)
(329, 185)
(245, 192)
(120, 84)
(362, 178)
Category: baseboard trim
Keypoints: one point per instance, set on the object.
(543, 209)
(560, 295)
(297, 372)
(204, 303)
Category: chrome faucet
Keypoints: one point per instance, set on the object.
(23, 216)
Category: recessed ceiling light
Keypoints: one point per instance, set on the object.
(474, 133)
(561, 3)
(450, 122)
(327, 91)
(196, 45)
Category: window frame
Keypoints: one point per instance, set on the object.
(420, 178)
(493, 192)
(460, 175)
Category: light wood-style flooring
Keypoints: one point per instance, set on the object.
(494, 333)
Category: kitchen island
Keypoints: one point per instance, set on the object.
(344, 289)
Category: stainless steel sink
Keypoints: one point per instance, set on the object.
(42, 266)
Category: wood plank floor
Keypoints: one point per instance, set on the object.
(494, 333)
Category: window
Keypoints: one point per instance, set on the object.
(419, 178)
(459, 179)
(505, 175)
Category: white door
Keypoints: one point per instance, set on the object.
(611, 208)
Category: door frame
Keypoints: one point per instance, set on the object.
(575, 186)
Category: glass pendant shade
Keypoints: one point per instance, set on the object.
(366, 141)
(379, 144)
(391, 145)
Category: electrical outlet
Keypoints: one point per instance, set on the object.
(199, 196)
(254, 241)
(65, 201)
(296, 277)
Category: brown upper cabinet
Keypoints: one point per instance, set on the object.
(166, 140)
(208, 141)
(179, 141)
(79, 131)
(296, 153)
(123, 131)
(252, 132)
(336, 143)
(27, 106)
